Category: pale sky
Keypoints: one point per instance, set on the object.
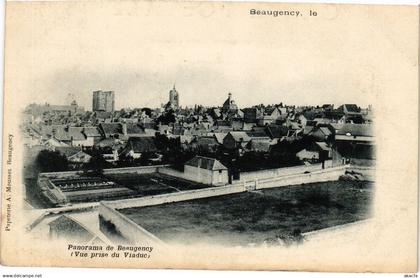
(139, 50)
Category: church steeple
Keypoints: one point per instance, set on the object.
(173, 99)
(229, 104)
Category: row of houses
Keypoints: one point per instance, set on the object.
(256, 139)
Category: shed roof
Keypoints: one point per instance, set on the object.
(352, 108)
(259, 145)
(356, 130)
(141, 144)
(206, 163)
(68, 151)
(239, 136)
(277, 131)
(323, 146)
(75, 133)
(219, 137)
(91, 131)
(110, 128)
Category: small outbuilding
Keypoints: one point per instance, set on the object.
(206, 170)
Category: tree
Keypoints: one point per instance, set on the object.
(147, 110)
(51, 161)
(144, 158)
(166, 118)
(283, 154)
(96, 165)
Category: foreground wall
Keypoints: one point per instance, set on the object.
(117, 226)
(175, 197)
(126, 228)
(330, 174)
(114, 224)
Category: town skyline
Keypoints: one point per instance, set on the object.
(85, 100)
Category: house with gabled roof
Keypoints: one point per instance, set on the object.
(350, 109)
(259, 145)
(269, 115)
(136, 146)
(110, 130)
(206, 170)
(257, 133)
(322, 133)
(92, 134)
(122, 130)
(219, 136)
(276, 131)
(205, 143)
(78, 138)
(75, 155)
(315, 151)
(236, 140)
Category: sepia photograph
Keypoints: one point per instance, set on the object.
(267, 174)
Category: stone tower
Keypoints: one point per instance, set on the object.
(174, 98)
(103, 101)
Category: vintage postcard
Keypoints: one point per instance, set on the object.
(210, 135)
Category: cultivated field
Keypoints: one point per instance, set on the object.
(255, 217)
(111, 187)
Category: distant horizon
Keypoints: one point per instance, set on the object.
(89, 106)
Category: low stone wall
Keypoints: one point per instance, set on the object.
(135, 170)
(331, 174)
(171, 172)
(175, 197)
(124, 227)
(284, 180)
(277, 172)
